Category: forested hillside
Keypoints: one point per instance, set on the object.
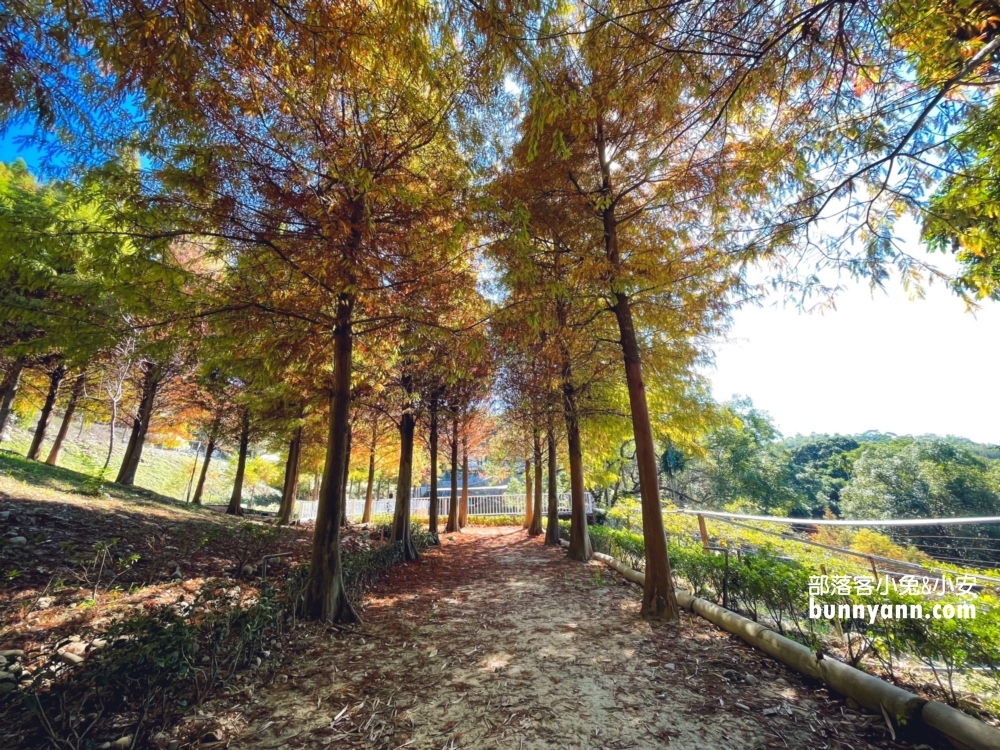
(744, 465)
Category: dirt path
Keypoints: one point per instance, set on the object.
(494, 640)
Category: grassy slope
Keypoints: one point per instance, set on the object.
(166, 471)
(51, 507)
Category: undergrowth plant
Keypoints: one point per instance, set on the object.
(764, 583)
(104, 567)
(161, 661)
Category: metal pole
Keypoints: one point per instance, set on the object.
(197, 450)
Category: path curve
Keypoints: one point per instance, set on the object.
(495, 641)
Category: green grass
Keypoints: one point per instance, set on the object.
(163, 471)
(59, 479)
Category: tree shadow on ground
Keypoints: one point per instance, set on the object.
(68, 559)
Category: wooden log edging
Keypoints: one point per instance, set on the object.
(905, 708)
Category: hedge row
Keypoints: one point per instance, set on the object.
(775, 590)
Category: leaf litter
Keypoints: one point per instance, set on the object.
(495, 641)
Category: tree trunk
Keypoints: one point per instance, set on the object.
(111, 437)
(367, 517)
(344, 495)
(659, 601)
(326, 598)
(452, 526)
(209, 450)
(74, 399)
(433, 509)
(550, 439)
(291, 478)
(536, 521)
(11, 380)
(194, 468)
(463, 509)
(404, 485)
(133, 452)
(55, 380)
(529, 503)
(579, 535)
(236, 499)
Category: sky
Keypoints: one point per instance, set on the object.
(11, 147)
(879, 361)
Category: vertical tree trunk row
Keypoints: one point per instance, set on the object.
(140, 425)
(452, 526)
(347, 473)
(535, 529)
(529, 509)
(463, 509)
(8, 391)
(552, 528)
(366, 517)
(291, 483)
(433, 507)
(209, 450)
(194, 468)
(658, 598)
(659, 602)
(579, 535)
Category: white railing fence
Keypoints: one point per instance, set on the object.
(479, 505)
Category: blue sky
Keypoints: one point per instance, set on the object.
(10, 149)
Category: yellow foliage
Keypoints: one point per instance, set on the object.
(873, 543)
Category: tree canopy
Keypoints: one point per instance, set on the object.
(335, 227)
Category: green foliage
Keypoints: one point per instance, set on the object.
(926, 478)
(820, 468)
(672, 460)
(61, 255)
(155, 663)
(771, 588)
(627, 514)
(95, 484)
(965, 211)
(867, 476)
(746, 466)
(495, 520)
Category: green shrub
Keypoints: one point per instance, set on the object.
(496, 520)
(767, 587)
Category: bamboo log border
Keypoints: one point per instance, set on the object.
(906, 709)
